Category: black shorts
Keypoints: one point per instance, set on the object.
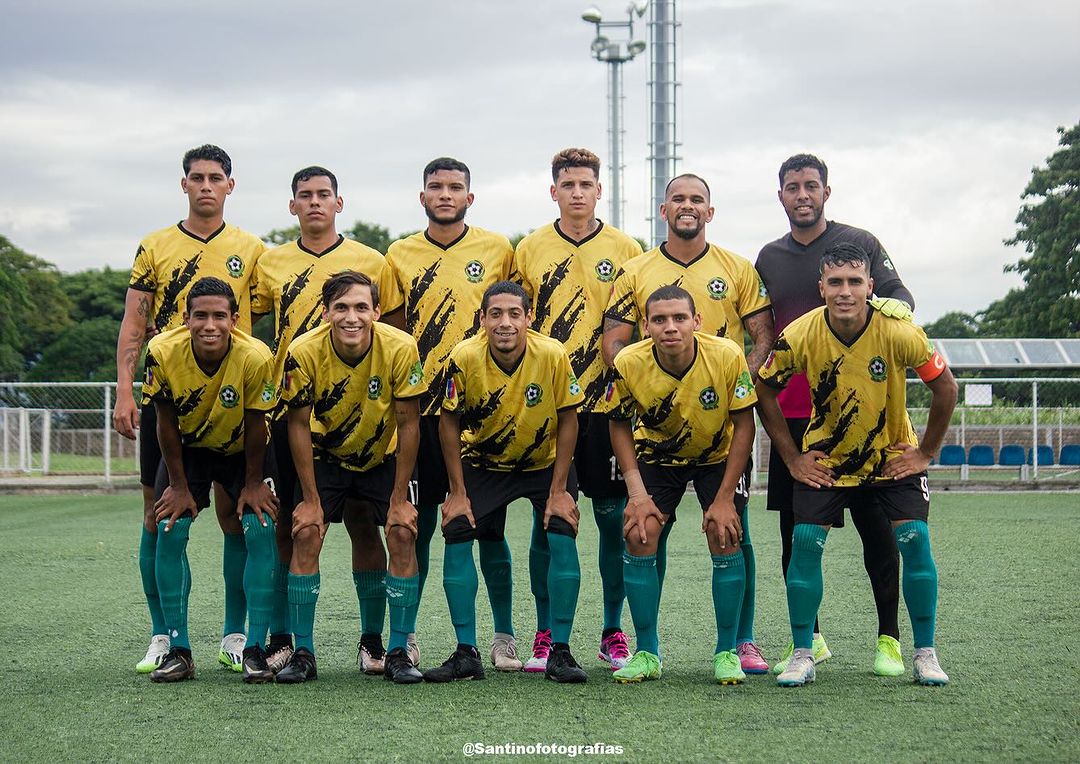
(906, 499)
(202, 467)
(149, 450)
(430, 473)
(597, 470)
(490, 492)
(337, 485)
(781, 483)
(667, 485)
(285, 469)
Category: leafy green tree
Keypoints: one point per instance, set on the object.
(96, 293)
(44, 313)
(279, 236)
(372, 234)
(953, 325)
(85, 352)
(14, 303)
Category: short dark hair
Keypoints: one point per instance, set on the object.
(844, 253)
(687, 175)
(340, 283)
(313, 172)
(446, 163)
(801, 162)
(210, 153)
(210, 286)
(568, 158)
(506, 287)
(670, 292)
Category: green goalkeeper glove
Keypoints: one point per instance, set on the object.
(893, 308)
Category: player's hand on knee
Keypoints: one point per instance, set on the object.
(402, 514)
(911, 461)
(173, 504)
(308, 514)
(562, 505)
(722, 519)
(807, 468)
(457, 505)
(636, 515)
(259, 499)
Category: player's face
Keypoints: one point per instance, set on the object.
(506, 323)
(446, 197)
(316, 205)
(576, 192)
(845, 289)
(671, 325)
(686, 208)
(803, 196)
(210, 320)
(350, 317)
(206, 186)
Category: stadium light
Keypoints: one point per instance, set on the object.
(592, 15)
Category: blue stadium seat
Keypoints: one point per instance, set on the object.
(1046, 456)
(981, 456)
(1070, 455)
(1011, 455)
(952, 456)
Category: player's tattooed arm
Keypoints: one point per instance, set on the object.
(617, 335)
(176, 499)
(137, 309)
(762, 334)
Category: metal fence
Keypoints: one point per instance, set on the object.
(1003, 429)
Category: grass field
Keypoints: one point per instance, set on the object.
(73, 624)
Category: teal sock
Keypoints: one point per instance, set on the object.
(564, 583)
(745, 632)
(608, 514)
(371, 594)
(539, 563)
(460, 583)
(427, 520)
(643, 594)
(661, 561)
(147, 555)
(804, 584)
(279, 614)
(496, 565)
(920, 580)
(233, 562)
(728, 583)
(174, 579)
(303, 595)
(403, 595)
(259, 577)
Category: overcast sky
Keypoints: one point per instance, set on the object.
(929, 113)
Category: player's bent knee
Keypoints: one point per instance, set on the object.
(399, 538)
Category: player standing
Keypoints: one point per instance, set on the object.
(440, 275)
(789, 268)
(167, 263)
(860, 450)
(730, 298)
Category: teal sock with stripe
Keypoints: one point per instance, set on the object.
(539, 563)
(497, 566)
(233, 563)
(371, 594)
(564, 583)
(643, 594)
(427, 520)
(728, 584)
(804, 582)
(403, 596)
(279, 613)
(174, 579)
(147, 566)
(745, 632)
(661, 561)
(460, 583)
(608, 513)
(259, 576)
(920, 580)
(303, 596)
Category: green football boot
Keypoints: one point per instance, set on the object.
(887, 658)
(643, 665)
(727, 668)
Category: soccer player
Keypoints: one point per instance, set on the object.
(352, 387)
(167, 263)
(288, 284)
(730, 298)
(508, 430)
(860, 450)
(789, 268)
(440, 275)
(693, 398)
(567, 268)
(212, 386)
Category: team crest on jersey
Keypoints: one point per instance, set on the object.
(717, 288)
(605, 270)
(474, 271)
(878, 368)
(709, 399)
(762, 290)
(575, 386)
(235, 266)
(268, 392)
(374, 388)
(533, 394)
(228, 396)
(744, 385)
(416, 373)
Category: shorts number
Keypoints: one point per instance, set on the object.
(740, 489)
(615, 474)
(414, 492)
(925, 487)
(270, 484)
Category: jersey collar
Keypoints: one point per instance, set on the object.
(679, 377)
(590, 237)
(447, 246)
(680, 263)
(207, 240)
(328, 250)
(869, 318)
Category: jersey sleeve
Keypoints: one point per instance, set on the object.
(408, 373)
(155, 387)
(391, 290)
(618, 395)
(622, 305)
(260, 390)
(506, 261)
(568, 393)
(262, 301)
(453, 400)
(882, 270)
(919, 353)
(298, 385)
(143, 277)
(780, 365)
(753, 296)
(518, 272)
(741, 394)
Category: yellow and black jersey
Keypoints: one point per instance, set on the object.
(725, 287)
(858, 389)
(353, 422)
(570, 282)
(169, 261)
(441, 288)
(210, 407)
(288, 282)
(686, 420)
(509, 418)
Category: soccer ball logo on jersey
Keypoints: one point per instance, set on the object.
(474, 271)
(533, 394)
(744, 385)
(605, 270)
(374, 388)
(717, 288)
(268, 392)
(575, 386)
(228, 396)
(709, 399)
(416, 373)
(878, 368)
(235, 266)
(762, 290)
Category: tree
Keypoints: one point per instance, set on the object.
(371, 234)
(39, 318)
(14, 302)
(953, 325)
(85, 352)
(96, 293)
(279, 236)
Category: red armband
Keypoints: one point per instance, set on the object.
(932, 369)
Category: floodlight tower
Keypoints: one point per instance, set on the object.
(663, 85)
(615, 53)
